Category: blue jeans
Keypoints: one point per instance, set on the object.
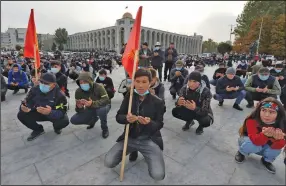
(238, 95)
(246, 147)
(213, 82)
(87, 115)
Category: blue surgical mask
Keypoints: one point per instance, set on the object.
(157, 48)
(129, 80)
(178, 68)
(278, 71)
(144, 94)
(55, 70)
(263, 77)
(44, 88)
(101, 78)
(85, 87)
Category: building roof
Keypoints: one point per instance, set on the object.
(127, 15)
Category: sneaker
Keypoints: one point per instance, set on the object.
(26, 90)
(58, 131)
(188, 125)
(250, 105)
(269, 166)
(34, 135)
(199, 130)
(220, 103)
(133, 156)
(239, 158)
(3, 98)
(105, 134)
(16, 91)
(174, 97)
(237, 107)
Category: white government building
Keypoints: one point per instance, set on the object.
(113, 37)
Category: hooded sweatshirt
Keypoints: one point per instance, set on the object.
(19, 77)
(96, 93)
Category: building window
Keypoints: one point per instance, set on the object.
(131, 22)
(121, 22)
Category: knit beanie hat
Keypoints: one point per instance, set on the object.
(196, 76)
(230, 70)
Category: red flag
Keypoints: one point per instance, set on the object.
(31, 49)
(132, 45)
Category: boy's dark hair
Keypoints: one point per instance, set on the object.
(221, 64)
(153, 72)
(143, 72)
(55, 62)
(102, 72)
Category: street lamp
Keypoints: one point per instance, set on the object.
(258, 43)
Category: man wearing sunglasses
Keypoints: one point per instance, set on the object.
(45, 102)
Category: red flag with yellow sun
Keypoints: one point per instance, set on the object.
(132, 45)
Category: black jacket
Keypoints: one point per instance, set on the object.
(152, 107)
(174, 55)
(202, 96)
(3, 86)
(55, 99)
(62, 82)
(219, 70)
(223, 82)
(108, 85)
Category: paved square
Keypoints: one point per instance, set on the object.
(76, 156)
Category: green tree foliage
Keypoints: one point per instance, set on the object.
(54, 47)
(18, 47)
(278, 39)
(224, 47)
(61, 47)
(256, 9)
(209, 46)
(61, 36)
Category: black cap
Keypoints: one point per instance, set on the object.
(55, 62)
(48, 78)
(279, 65)
(196, 76)
(145, 43)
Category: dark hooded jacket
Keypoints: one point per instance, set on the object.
(152, 107)
(96, 92)
(202, 96)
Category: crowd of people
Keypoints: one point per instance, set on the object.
(263, 131)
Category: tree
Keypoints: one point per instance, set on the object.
(256, 9)
(54, 47)
(61, 47)
(278, 45)
(209, 46)
(61, 36)
(224, 47)
(18, 47)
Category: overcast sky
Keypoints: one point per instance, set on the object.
(208, 18)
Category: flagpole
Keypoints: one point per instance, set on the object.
(129, 111)
(35, 62)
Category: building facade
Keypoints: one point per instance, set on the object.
(113, 37)
(45, 41)
(16, 36)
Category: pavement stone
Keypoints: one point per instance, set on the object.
(76, 156)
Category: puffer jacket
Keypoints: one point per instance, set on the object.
(203, 102)
(96, 92)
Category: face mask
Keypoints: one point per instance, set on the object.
(157, 48)
(278, 70)
(178, 68)
(129, 80)
(262, 77)
(85, 87)
(144, 94)
(44, 88)
(54, 70)
(101, 78)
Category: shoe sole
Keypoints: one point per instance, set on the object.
(239, 162)
(267, 169)
(37, 136)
